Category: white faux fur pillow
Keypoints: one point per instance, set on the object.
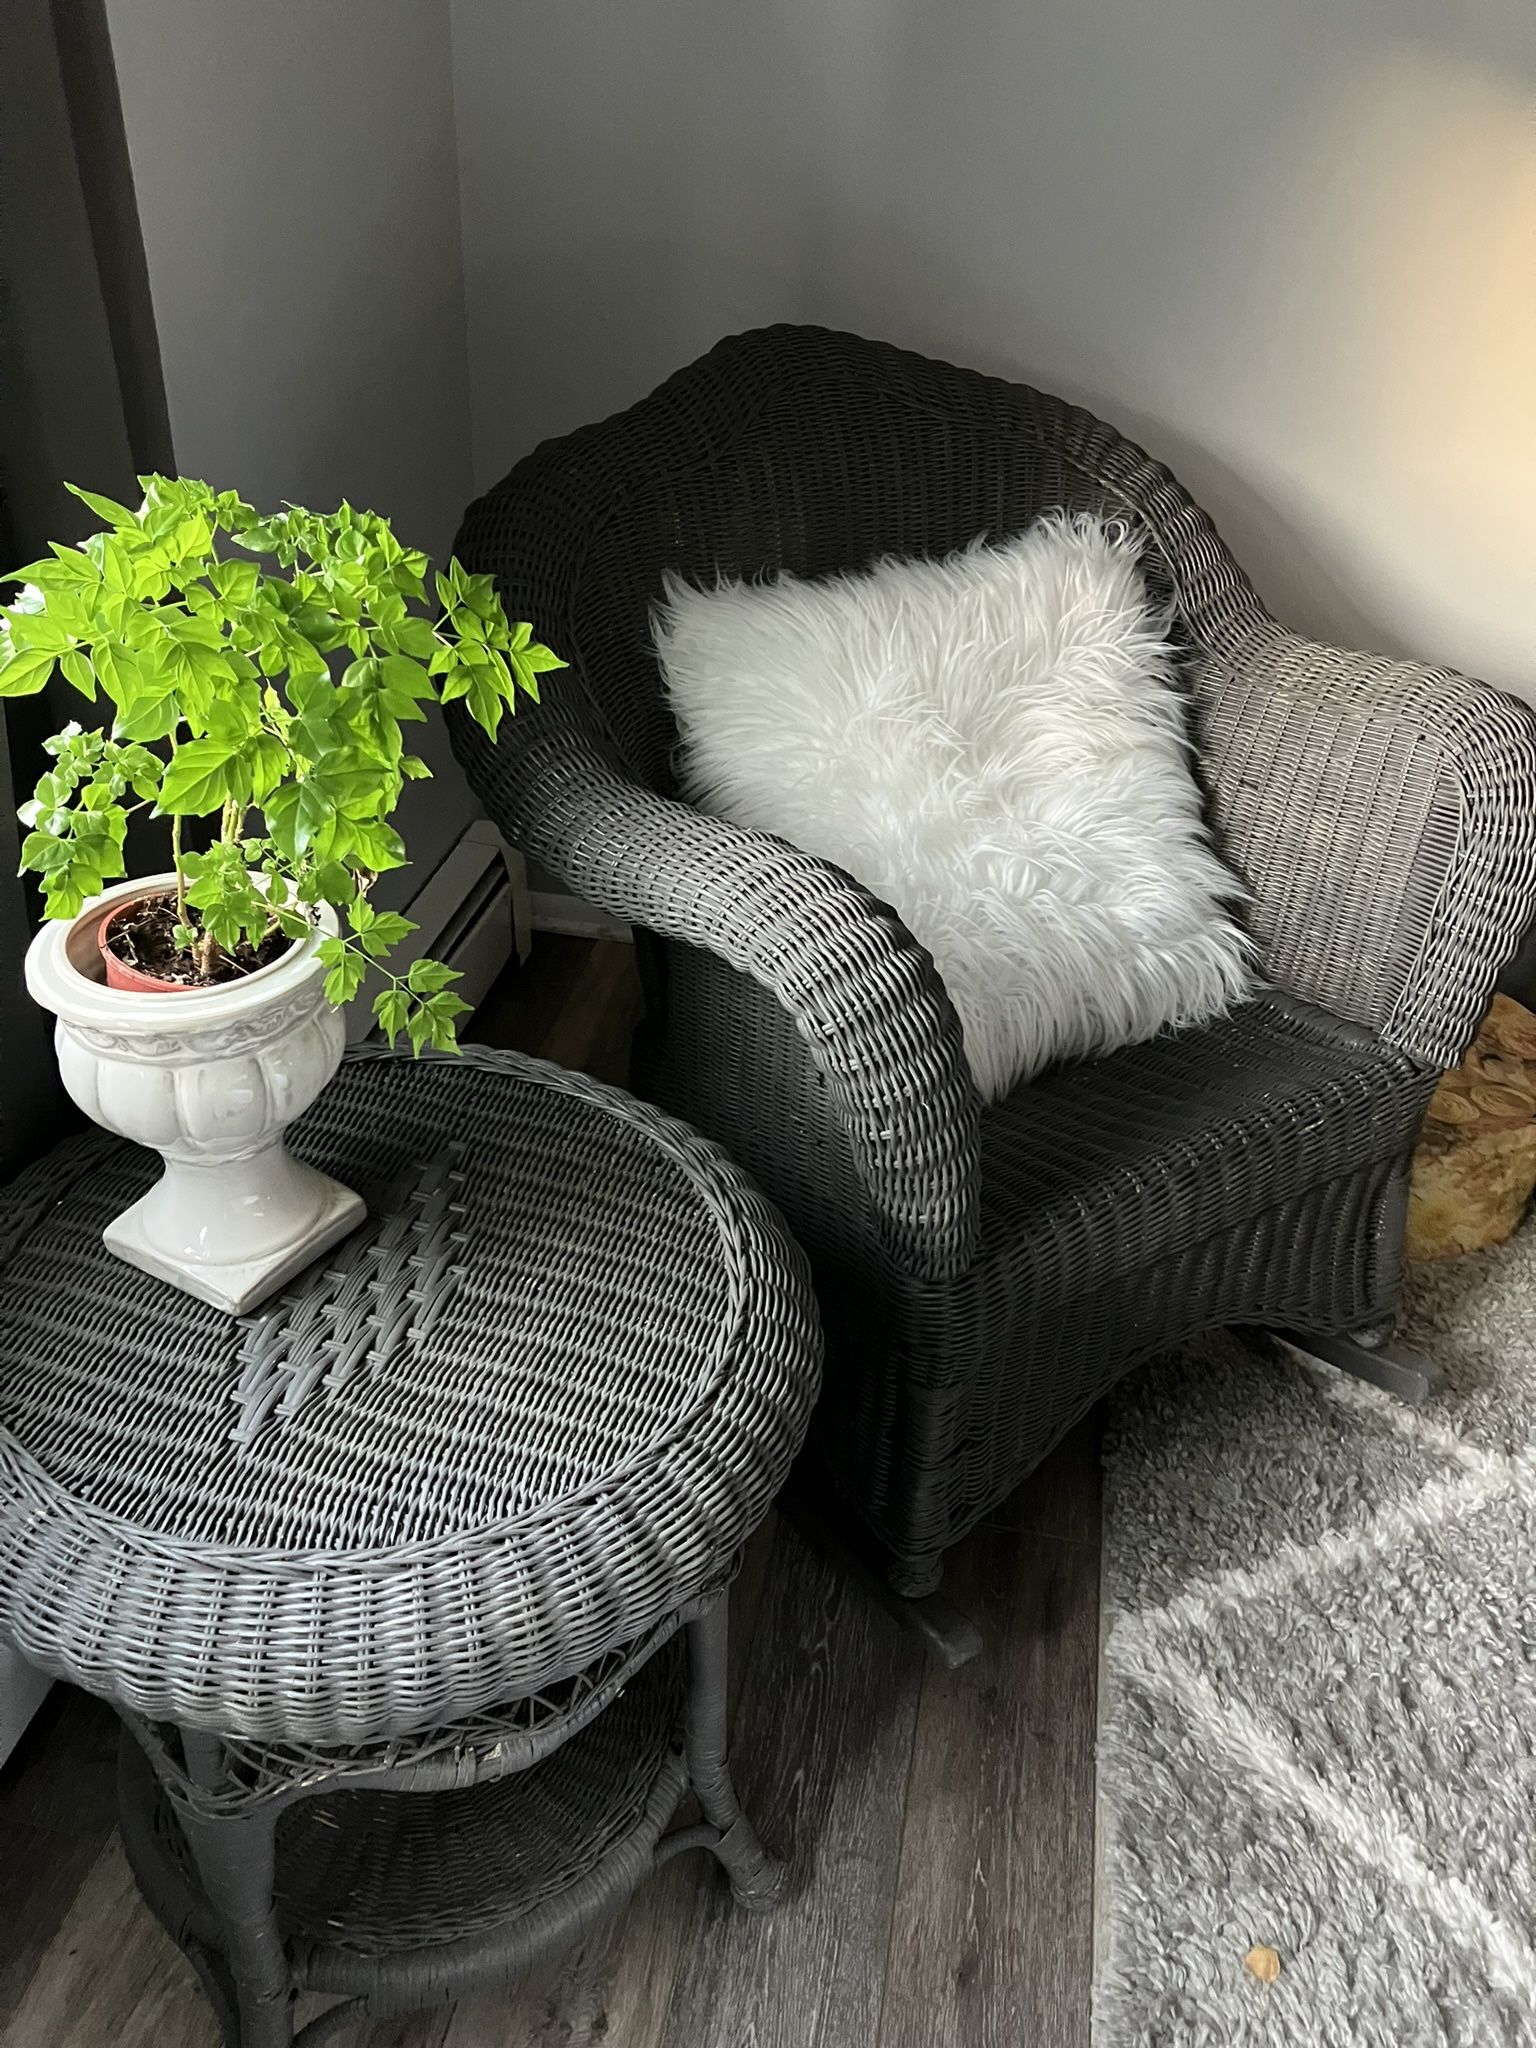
(994, 745)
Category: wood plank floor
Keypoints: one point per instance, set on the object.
(939, 1824)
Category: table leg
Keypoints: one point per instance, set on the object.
(236, 1863)
(757, 1879)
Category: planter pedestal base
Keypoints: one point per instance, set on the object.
(324, 1209)
(210, 1078)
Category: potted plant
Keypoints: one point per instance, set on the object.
(253, 677)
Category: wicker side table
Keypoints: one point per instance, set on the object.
(411, 1587)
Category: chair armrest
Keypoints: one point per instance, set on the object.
(863, 994)
(1383, 814)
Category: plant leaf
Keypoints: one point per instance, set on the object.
(385, 933)
(78, 671)
(23, 674)
(105, 508)
(391, 1006)
(377, 845)
(414, 636)
(198, 779)
(427, 977)
(346, 975)
(149, 714)
(296, 812)
(435, 1023)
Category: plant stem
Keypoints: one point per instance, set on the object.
(181, 884)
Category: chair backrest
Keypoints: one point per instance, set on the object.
(795, 448)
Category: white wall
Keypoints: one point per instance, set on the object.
(297, 185)
(1288, 244)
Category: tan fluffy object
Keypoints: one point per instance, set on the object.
(1476, 1163)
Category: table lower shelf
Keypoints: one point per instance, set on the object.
(409, 1897)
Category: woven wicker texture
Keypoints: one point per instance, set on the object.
(383, 1872)
(1382, 814)
(514, 1735)
(514, 1422)
(363, 1888)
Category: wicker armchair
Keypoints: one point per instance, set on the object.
(986, 1273)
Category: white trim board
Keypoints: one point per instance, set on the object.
(554, 911)
(23, 1689)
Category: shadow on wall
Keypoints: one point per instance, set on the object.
(1333, 344)
(1287, 248)
(1294, 577)
(1407, 418)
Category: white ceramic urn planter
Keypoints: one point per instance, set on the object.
(210, 1078)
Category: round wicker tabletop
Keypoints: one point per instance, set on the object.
(522, 1416)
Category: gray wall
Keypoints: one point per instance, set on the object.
(1287, 243)
(297, 185)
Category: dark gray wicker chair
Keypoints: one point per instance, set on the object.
(985, 1274)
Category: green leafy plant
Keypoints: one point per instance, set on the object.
(269, 701)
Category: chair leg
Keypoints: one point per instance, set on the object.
(1368, 1357)
(949, 1635)
(906, 1594)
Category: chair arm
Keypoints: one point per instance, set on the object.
(1383, 814)
(863, 994)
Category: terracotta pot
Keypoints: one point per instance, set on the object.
(210, 1078)
(119, 973)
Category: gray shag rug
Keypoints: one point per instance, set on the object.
(1319, 1717)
